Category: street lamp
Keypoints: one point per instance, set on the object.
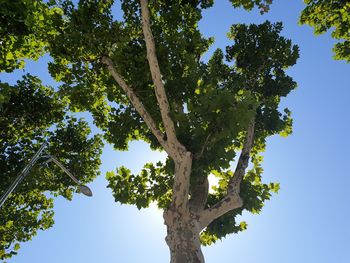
(83, 188)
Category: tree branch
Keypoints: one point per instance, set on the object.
(177, 151)
(136, 102)
(232, 199)
(181, 186)
(157, 78)
(199, 195)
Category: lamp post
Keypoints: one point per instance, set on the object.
(83, 188)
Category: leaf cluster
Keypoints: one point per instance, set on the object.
(263, 5)
(24, 28)
(333, 15)
(30, 113)
(211, 102)
(152, 184)
(253, 193)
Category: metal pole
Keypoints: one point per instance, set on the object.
(22, 174)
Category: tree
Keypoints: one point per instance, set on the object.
(142, 78)
(332, 15)
(31, 113)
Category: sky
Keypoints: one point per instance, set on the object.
(307, 221)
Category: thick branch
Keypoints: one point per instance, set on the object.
(232, 199)
(157, 78)
(178, 152)
(136, 102)
(234, 185)
(199, 195)
(183, 169)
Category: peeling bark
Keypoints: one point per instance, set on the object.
(183, 237)
(157, 77)
(178, 152)
(181, 185)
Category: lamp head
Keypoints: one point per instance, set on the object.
(85, 190)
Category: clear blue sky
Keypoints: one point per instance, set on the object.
(308, 221)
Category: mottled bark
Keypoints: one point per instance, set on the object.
(177, 151)
(183, 224)
(183, 168)
(183, 237)
(157, 80)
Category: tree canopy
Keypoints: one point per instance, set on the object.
(142, 77)
(31, 113)
(332, 15)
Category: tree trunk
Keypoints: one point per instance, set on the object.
(183, 237)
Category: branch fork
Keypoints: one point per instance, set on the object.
(178, 152)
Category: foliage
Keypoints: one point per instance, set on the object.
(28, 109)
(211, 103)
(29, 114)
(219, 109)
(333, 15)
(263, 5)
(253, 192)
(24, 26)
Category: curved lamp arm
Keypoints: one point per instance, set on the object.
(83, 188)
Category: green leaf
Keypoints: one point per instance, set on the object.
(16, 247)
